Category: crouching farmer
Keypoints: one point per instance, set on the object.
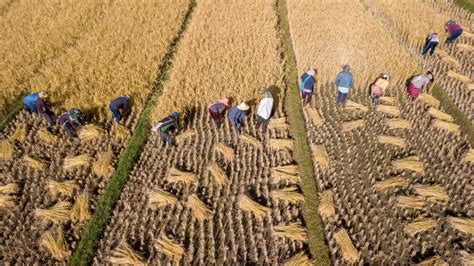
(418, 84)
(217, 110)
(377, 89)
(166, 126)
(119, 106)
(237, 117)
(71, 121)
(344, 83)
(265, 109)
(36, 103)
(307, 81)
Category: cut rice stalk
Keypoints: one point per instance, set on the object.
(390, 183)
(467, 259)
(432, 193)
(300, 259)
(281, 144)
(321, 157)
(185, 135)
(258, 210)
(251, 140)
(434, 261)
(124, 254)
(293, 231)
(452, 61)
(397, 123)
(350, 105)
(219, 175)
(289, 194)
(349, 252)
(121, 132)
(278, 123)
(326, 206)
(11, 188)
(396, 141)
(65, 188)
(160, 198)
(465, 47)
(469, 156)
(103, 166)
(389, 110)
(180, 176)
(470, 87)
(20, 134)
(287, 173)
(435, 113)
(429, 100)
(419, 226)
(55, 244)
(171, 249)
(199, 209)
(410, 202)
(6, 201)
(90, 132)
(459, 77)
(225, 150)
(80, 210)
(448, 126)
(351, 125)
(6, 150)
(34, 163)
(387, 99)
(412, 163)
(46, 136)
(314, 116)
(465, 225)
(57, 214)
(76, 161)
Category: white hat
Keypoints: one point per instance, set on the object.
(243, 106)
(311, 72)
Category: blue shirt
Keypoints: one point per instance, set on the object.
(30, 100)
(344, 79)
(236, 116)
(309, 84)
(119, 103)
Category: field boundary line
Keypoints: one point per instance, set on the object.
(466, 4)
(11, 113)
(92, 232)
(302, 152)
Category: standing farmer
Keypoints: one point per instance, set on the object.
(118, 105)
(307, 86)
(166, 126)
(431, 42)
(454, 30)
(71, 121)
(217, 110)
(265, 108)
(237, 116)
(377, 89)
(344, 83)
(419, 83)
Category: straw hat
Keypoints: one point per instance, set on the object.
(243, 106)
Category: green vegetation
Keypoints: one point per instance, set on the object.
(12, 112)
(317, 245)
(466, 4)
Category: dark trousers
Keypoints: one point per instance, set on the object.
(49, 116)
(306, 97)
(30, 109)
(429, 46)
(454, 36)
(117, 114)
(262, 122)
(342, 97)
(69, 129)
(166, 138)
(216, 117)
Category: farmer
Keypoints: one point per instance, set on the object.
(217, 110)
(166, 126)
(377, 89)
(42, 108)
(344, 83)
(431, 42)
(454, 30)
(237, 116)
(71, 121)
(29, 101)
(419, 83)
(307, 85)
(265, 108)
(118, 105)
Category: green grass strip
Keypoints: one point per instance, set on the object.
(93, 230)
(466, 4)
(459, 117)
(12, 112)
(302, 151)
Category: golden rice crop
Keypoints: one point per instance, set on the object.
(55, 244)
(434, 261)
(293, 231)
(448, 126)
(466, 258)
(429, 100)
(390, 183)
(225, 150)
(103, 166)
(250, 48)
(171, 249)
(300, 259)
(6, 150)
(160, 198)
(351, 125)
(465, 225)
(388, 99)
(389, 110)
(278, 123)
(19, 134)
(65, 188)
(90, 132)
(198, 208)
(349, 252)
(411, 202)
(185, 135)
(285, 173)
(80, 210)
(121, 132)
(452, 61)
(385, 139)
(320, 156)
(412, 163)
(419, 226)
(11, 188)
(326, 205)
(220, 177)
(459, 77)
(289, 194)
(180, 176)
(465, 47)
(469, 156)
(435, 113)
(432, 193)
(121, 55)
(397, 123)
(6, 201)
(124, 254)
(57, 214)
(351, 105)
(46, 136)
(314, 116)
(279, 144)
(251, 140)
(76, 161)
(258, 210)
(34, 163)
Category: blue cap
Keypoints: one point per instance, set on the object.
(175, 114)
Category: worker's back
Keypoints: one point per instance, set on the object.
(119, 103)
(31, 99)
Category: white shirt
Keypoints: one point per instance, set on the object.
(265, 108)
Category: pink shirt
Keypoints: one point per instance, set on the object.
(453, 27)
(434, 37)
